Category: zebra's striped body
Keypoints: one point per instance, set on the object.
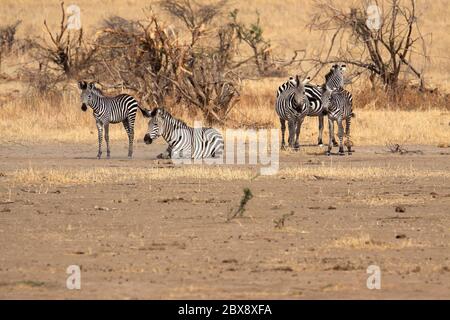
(339, 104)
(292, 106)
(106, 110)
(314, 95)
(183, 140)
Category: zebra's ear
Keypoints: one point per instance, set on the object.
(82, 85)
(91, 85)
(306, 80)
(343, 67)
(154, 112)
(146, 113)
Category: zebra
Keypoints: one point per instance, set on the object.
(120, 108)
(334, 79)
(292, 105)
(338, 103)
(183, 140)
(314, 94)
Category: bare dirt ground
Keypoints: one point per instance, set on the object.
(171, 239)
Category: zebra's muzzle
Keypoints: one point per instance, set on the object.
(83, 107)
(147, 139)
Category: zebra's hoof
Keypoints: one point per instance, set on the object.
(328, 153)
(283, 148)
(341, 153)
(99, 156)
(335, 144)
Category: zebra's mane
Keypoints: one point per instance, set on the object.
(176, 122)
(97, 91)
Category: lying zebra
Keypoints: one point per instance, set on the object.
(184, 141)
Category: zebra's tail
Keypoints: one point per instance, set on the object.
(146, 113)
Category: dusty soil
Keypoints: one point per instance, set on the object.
(171, 239)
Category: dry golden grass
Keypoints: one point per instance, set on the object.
(365, 242)
(63, 176)
(67, 176)
(284, 25)
(40, 119)
(378, 120)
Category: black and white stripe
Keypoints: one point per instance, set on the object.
(292, 106)
(334, 79)
(121, 108)
(314, 95)
(339, 105)
(183, 140)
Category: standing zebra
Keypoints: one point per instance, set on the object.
(335, 78)
(338, 103)
(121, 108)
(292, 106)
(183, 140)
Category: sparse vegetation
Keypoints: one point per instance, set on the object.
(241, 209)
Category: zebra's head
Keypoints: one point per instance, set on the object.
(154, 127)
(299, 93)
(87, 91)
(335, 77)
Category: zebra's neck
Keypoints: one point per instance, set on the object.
(97, 102)
(169, 124)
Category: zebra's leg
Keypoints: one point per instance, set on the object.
(108, 151)
(292, 128)
(100, 139)
(330, 134)
(341, 136)
(320, 142)
(129, 128)
(130, 143)
(283, 131)
(297, 134)
(348, 141)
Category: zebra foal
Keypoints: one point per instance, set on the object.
(183, 140)
(339, 105)
(106, 110)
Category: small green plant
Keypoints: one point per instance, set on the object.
(244, 200)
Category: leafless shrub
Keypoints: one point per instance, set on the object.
(7, 36)
(395, 48)
(64, 51)
(252, 35)
(279, 223)
(144, 57)
(397, 148)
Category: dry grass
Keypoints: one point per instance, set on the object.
(60, 176)
(283, 24)
(37, 119)
(73, 176)
(61, 120)
(359, 173)
(365, 242)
